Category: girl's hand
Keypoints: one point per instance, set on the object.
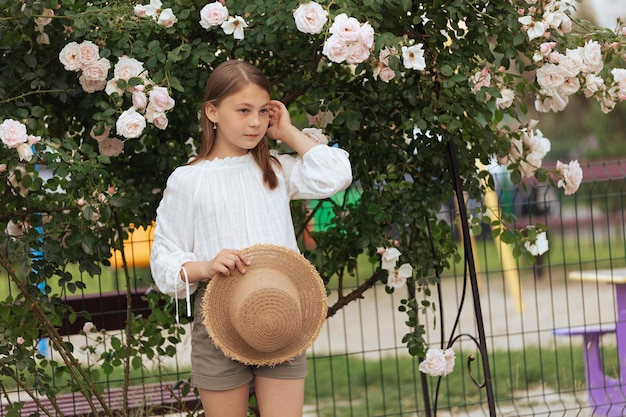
(227, 261)
(280, 121)
(280, 128)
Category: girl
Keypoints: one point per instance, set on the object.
(234, 194)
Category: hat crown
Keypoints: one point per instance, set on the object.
(266, 312)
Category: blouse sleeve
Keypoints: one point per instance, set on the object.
(319, 173)
(173, 237)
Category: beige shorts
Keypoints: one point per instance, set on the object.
(212, 370)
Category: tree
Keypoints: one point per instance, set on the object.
(100, 103)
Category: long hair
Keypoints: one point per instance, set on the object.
(228, 78)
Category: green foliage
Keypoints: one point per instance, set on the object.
(71, 204)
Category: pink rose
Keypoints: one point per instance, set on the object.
(310, 17)
(140, 100)
(12, 133)
(98, 70)
(387, 74)
(3, 167)
(213, 14)
(91, 86)
(32, 139)
(110, 147)
(335, 49)
(160, 99)
(357, 53)
(69, 57)
(88, 52)
(101, 136)
(130, 124)
(20, 340)
(159, 119)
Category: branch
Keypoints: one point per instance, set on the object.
(355, 294)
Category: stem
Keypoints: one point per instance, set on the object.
(77, 372)
(129, 310)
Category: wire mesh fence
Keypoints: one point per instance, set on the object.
(541, 318)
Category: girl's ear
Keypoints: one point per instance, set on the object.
(211, 112)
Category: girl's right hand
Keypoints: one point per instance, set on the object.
(227, 260)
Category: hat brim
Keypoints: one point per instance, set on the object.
(216, 305)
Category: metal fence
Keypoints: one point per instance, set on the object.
(535, 314)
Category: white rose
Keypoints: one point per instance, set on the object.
(593, 84)
(550, 77)
(346, 28)
(88, 52)
(310, 17)
(435, 363)
(130, 124)
(537, 143)
(98, 70)
(160, 99)
(571, 85)
(366, 35)
(153, 8)
(25, 152)
(127, 68)
(506, 99)
(12, 133)
(413, 57)
(213, 14)
(357, 53)
(111, 87)
(572, 176)
(316, 134)
(69, 57)
(235, 26)
(450, 359)
(167, 18)
(335, 49)
(539, 246)
(572, 63)
(139, 10)
(91, 86)
(592, 57)
(390, 258)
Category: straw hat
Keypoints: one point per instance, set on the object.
(270, 314)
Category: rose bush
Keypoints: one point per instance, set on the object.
(109, 93)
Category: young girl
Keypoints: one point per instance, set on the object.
(235, 194)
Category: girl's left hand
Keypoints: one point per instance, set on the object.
(280, 120)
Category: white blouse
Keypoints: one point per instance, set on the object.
(224, 204)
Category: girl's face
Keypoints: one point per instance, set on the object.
(242, 121)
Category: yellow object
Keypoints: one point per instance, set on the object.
(136, 248)
(509, 267)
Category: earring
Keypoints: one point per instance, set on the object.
(214, 126)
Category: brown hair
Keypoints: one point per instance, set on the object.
(228, 78)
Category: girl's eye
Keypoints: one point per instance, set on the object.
(264, 111)
(244, 110)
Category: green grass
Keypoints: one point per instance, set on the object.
(351, 386)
